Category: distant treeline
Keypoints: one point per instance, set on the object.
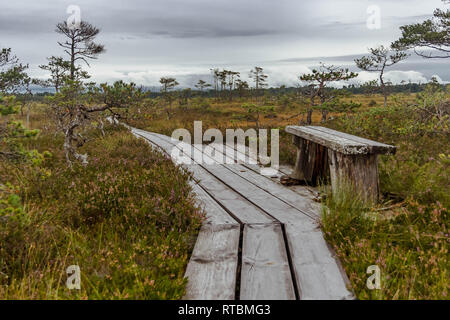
(354, 89)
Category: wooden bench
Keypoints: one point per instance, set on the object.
(342, 157)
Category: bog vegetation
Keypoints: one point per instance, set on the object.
(77, 190)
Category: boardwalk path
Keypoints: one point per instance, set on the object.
(260, 239)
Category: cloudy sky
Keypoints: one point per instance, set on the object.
(147, 39)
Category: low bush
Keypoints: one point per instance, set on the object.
(128, 220)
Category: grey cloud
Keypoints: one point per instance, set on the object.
(145, 39)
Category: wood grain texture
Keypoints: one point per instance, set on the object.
(340, 141)
(375, 147)
(265, 271)
(305, 204)
(328, 140)
(318, 272)
(212, 267)
(311, 164)
(357, 172)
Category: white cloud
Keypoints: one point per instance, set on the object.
(397, 76)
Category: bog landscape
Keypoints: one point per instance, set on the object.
(96, 204)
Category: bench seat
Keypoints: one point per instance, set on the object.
(343, 158)
(339, 141)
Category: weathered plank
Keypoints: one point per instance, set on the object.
(328, 140)
(307, 245)
(265, 271)
(357, 172)
(311, 164)
(213, 264)
(303, 204)
(215, 214)
(317, 270)
(248, 160)
(375, 147)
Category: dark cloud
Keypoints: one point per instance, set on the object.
(146, 39)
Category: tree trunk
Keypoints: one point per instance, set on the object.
(309, 117)
(324, 115)
(28, 116)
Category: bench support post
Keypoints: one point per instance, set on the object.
(311, 164)
(358, 171)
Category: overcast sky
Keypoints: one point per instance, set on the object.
(147, 39)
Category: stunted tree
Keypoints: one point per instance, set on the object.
(168, 84)
(242, 87)
(77, 104)
(59, 70)
(12, 72)
(12, 79)
(433, 34)
(222, 81)
(379, 59)
(231, 77)
(226, 79)
(318, 80)
(215, 75)
(79, 43)
(184, 96)
(258, 76)
(201, 85)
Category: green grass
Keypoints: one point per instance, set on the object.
(409, 244)
(128, 220)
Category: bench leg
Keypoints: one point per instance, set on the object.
(311, 164)
(358, 171)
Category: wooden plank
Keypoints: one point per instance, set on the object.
(243, 158)
(265, 273)
(374, 146)
(330, 141)
(241, 208)
(260, 198)
(213, 264)
(305, 204)
(318, 272)
(357, 172)
(307, 247)
(215, 214)
(311, 164)
(301, 202)
(259, 186)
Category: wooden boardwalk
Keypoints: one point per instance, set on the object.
(260, 239)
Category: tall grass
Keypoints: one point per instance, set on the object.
(128, 220)
(409, 244)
